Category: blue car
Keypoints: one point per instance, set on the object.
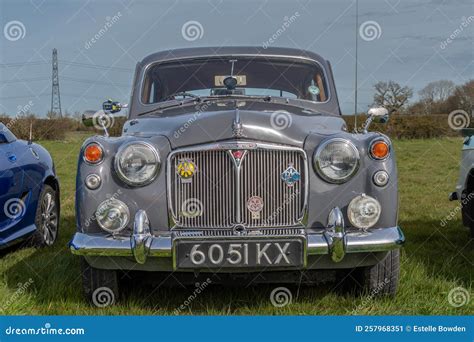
(29, 192)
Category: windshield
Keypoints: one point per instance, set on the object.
(254, 77)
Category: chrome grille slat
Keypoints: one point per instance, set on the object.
(215, 188)
(230, 233)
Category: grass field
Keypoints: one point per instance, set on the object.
(435, 259)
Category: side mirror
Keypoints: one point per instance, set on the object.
(88, 118)
(377, 115)
(112, 107)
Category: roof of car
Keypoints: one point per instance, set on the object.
(230, 51)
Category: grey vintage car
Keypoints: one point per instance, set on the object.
(465, 186)
(236, 162)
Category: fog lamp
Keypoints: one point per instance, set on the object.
(112, 215)
(364, 211)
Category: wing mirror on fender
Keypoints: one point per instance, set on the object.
(377, 115)
(102, 118)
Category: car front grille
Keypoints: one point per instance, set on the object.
(217, 194)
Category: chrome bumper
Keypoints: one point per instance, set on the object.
(334, 241)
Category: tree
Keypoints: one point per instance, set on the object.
(437, 91)
(462, 98)
(391, 95)
(434, 95)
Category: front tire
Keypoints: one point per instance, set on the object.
(101, 287)
(382, 278)
(47, 218)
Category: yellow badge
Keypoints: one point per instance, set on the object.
(186, 169)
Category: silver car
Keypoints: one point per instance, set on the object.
(235, 163)
(465, 186)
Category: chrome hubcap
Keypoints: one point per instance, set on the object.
(49, 217)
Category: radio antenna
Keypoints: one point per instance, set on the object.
(356, 61)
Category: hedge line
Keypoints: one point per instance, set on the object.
(402, 126)
(399, 126)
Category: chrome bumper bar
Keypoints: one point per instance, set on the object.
(334, 241)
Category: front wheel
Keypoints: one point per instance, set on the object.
(47, 218)
(101, 287)
(382, 278)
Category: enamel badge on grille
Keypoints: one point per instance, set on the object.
(186, 170)
(290, 176)
(255, 206)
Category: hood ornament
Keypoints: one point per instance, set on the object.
(237, 127)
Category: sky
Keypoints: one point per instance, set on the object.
(410, 42)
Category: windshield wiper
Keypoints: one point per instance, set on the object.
(176, 103)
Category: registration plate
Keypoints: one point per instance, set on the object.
(238, 253)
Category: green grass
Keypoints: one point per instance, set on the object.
(435, 259)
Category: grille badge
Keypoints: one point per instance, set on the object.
(237, 156)
(186, 169)
(290, 176)
(255, 206)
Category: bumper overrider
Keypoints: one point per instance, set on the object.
(334, 241)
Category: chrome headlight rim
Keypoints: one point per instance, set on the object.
(118, 203)
(119, 171)
(321, 148)
(377, 139)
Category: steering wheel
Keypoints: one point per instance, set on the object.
(182, 93)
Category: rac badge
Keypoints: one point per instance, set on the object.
(255, 206)
(290, 176)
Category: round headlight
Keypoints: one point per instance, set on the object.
(336, 160)
(137, 163)
(364, 211)
(112, 215)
